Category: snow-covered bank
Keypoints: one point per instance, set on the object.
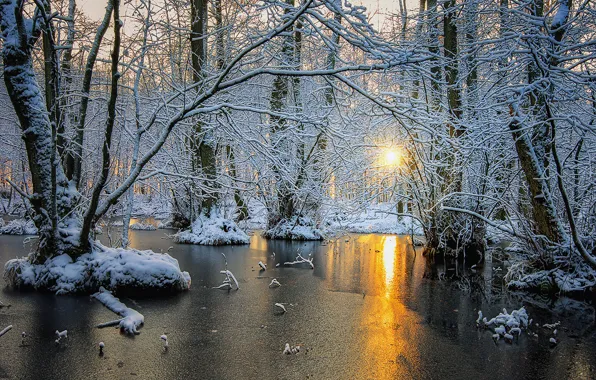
(142, 226)
(214, 230)
(297, 228)
(131, 319)
(375, 220)
(115, 269)
(18, 227)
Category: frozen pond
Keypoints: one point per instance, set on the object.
(367, 311)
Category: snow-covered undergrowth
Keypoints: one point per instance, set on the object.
(505, 325)
(214, 230)
(375, 220)
(115, 269)
(297, 228)
(18, 227)
(142, 226)
(131, 319)
(569, 274)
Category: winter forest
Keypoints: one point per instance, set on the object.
(381, 168)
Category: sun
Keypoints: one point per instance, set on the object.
(392, 157)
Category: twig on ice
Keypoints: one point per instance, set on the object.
(6, 329)
(299, 260)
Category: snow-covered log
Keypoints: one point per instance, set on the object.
(131, 319)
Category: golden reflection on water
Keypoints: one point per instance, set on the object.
(389, 252)
(388, 330)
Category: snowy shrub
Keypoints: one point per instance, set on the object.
(19, 227)
(297, 228)
(115, 269)
(214, 230)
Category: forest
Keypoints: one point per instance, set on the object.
(468, 126)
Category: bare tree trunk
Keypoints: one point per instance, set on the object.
(90, 218)
(203, 142)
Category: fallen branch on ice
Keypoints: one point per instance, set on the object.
(131, 320)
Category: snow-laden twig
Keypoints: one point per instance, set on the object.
(274, 283)
(131, 320)
(6, 329)
(299, 260)
(262, 265)
(227, 282)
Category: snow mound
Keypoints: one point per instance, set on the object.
(297, 228)
(131, 319)
(19, 227)
(214, 230)
(115, 269)
(142, 226)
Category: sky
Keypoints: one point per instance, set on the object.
(377, 8)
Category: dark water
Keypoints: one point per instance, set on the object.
(367, 311)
